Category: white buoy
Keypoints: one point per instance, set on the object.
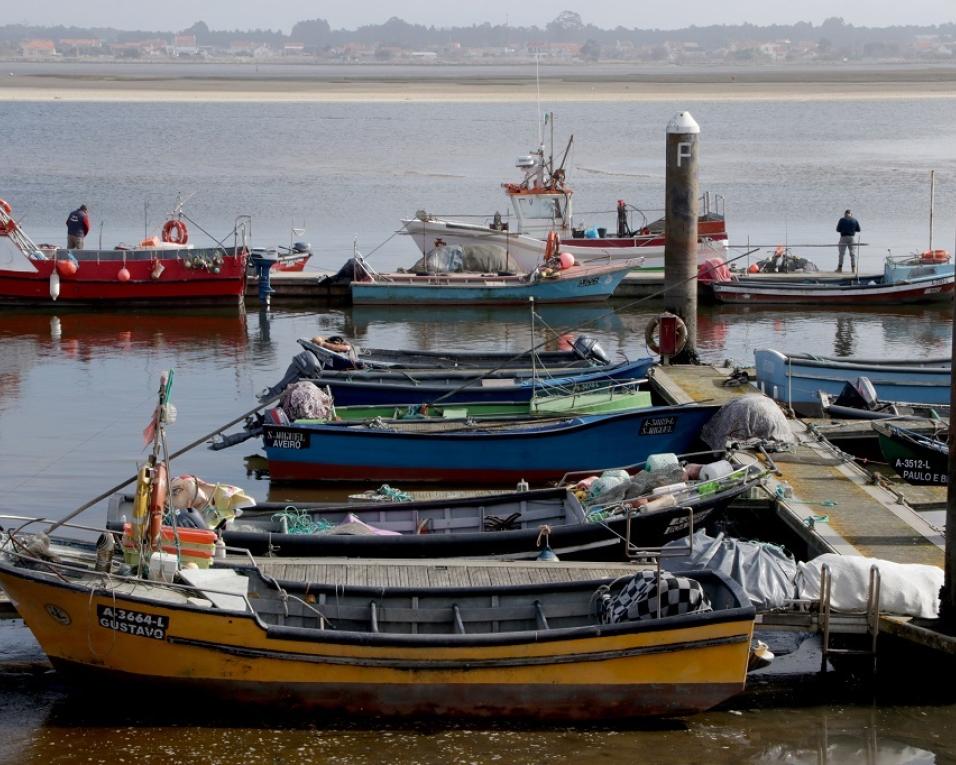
(54, 284)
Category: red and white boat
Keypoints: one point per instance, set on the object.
(541, 203)
(160, 270)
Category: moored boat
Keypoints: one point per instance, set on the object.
(918, 458)
(338, 353)
(486, 452)
(541, 203)
(157, 271)
(581, 650)
(421, 386)
(575, 283)
(796, 378)
(926, 278)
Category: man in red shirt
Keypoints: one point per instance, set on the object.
(77, 227)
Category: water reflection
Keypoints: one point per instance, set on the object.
(103, 731)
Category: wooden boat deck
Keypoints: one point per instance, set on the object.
(354, 572)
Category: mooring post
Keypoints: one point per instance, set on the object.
(948, 593)
(680, 227)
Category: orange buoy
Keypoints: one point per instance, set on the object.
(566, 259)
(753, 268)
(935, 256)
(123, 274)
(66, 267)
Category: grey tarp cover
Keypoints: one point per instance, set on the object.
(748, 419)
(475, 258)
(765, 572)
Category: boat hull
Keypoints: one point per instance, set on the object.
(916, 458)
(96, 281)
(358, 389)
(931, 290)
(576, 285)
(796, 379)
(527, 252)
(674, 666)
(480, 454)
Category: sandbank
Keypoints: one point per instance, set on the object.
(472, 86)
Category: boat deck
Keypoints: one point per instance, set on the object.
(354, 572)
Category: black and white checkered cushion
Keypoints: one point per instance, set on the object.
(638, 598)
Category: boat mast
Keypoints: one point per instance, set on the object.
(932, 194)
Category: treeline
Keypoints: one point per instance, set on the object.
(566, 27)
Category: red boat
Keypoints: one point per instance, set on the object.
(157, 271)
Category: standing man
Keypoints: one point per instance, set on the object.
(77, 227)
(848, 227)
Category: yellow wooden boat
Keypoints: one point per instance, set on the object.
(541, 652)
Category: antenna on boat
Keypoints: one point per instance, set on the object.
(932, 194)
(537, 85)
(145, 219)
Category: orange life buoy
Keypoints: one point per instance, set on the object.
(175, 232)
(935, 256)
(9, 226)
(652, 326)
(551, 248)
(157, 505)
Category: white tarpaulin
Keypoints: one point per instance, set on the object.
(907, 589)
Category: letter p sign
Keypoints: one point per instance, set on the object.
(684, 151)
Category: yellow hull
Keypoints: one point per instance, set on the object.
(230, 654)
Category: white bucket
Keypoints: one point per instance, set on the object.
(716, 470)
(162, 567)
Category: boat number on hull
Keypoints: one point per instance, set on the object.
(589, 281)
(278, 438)
(656, 426)
(135, 623)
(919, 470)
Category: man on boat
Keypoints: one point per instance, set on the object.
(848, 227)
(77, 227)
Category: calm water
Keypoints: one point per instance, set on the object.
(77, 388)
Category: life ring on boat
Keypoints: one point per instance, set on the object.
(157, 504)
(652, 328)
(935, 256)
(175, 232)
(551, 247)
(7, 227)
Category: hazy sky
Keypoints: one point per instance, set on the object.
(282, 14)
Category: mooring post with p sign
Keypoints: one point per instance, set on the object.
(681, 210)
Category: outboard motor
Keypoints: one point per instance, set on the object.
(305, 366)
(587, 348)
(859, 394)
(301, 248)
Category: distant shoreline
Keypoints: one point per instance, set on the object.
(474, 84)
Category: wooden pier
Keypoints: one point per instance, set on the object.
(304, 286)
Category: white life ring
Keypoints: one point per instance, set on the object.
(652, 328)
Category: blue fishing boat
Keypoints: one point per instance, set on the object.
(488, 452)
(575, 284)
(797, 378)
(418, 386)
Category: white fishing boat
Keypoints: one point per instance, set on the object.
(541, 203)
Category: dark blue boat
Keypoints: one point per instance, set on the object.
(490, 452)
(416, 386)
